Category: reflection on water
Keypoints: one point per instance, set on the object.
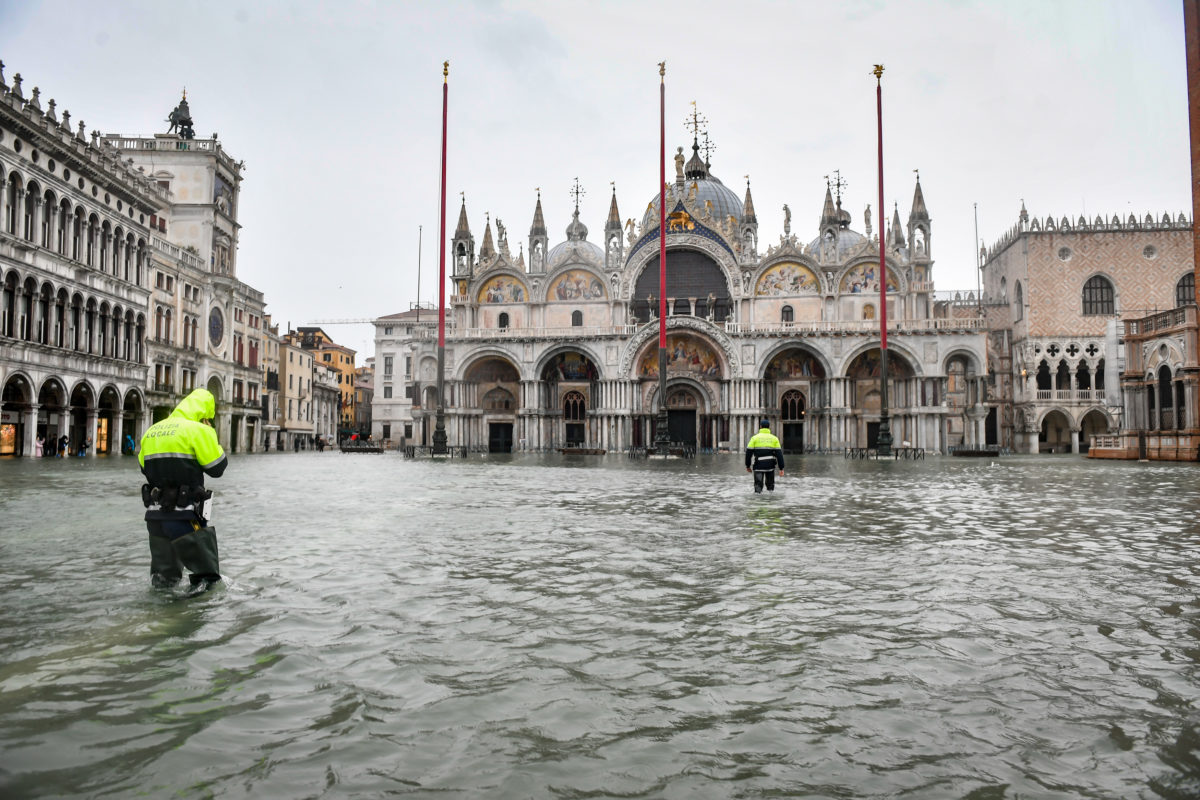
(548, 627)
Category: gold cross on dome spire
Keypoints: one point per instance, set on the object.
(577, 192)
(696, 123)
(837, 185)
(918, 172)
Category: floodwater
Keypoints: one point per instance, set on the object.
(537, 626)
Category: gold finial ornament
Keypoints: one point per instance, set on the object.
(662, 68)
(878, 71)
(445, 71)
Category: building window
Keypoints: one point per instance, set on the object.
(1020, 301)
(791, 406)
(574, 406)
(1098, 296)
(576, 319)
(787, 315)
(387, 331)
(503, 321)
(387, 366)
(1185, 290)
(387, 393)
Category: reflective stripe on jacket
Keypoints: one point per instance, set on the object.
(180, 450)
(763, 452)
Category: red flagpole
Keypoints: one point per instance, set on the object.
(439, 427)
(883, 444)
(662, 434)
(662, 206)
(882, 212)
(442, 238)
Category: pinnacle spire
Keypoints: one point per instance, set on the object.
(829, 215)
(897, 235)
(464, 228)
(614, 216)
(748, 206)
(919, 212)
(487, 249)
(538, 228)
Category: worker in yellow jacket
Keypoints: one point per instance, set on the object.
(763, 456)
(175, 455)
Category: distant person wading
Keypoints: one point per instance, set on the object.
(763, 456)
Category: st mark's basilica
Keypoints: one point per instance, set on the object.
(557, 346)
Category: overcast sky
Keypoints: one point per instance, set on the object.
(1074, 106)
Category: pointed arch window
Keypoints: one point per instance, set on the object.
(1098, 296)
(1185, 290)
(791, 406)
(574, 406)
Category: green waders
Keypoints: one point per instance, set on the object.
(179, 543)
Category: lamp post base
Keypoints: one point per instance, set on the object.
(883, 442)
(439, 434)
(662, 436)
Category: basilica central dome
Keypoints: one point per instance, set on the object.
(709, 193)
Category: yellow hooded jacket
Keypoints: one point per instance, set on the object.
(180, 450)
(763, 452)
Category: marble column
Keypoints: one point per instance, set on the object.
(92, 419)
(29, 430)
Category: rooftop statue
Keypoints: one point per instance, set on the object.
(181, 120)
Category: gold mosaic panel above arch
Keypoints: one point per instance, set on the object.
(684, 354)
(503, 289)
(787, 279)
(864, 279)
(575, 285)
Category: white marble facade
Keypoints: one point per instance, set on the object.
(562, 351)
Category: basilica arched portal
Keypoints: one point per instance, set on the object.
(696, 371)
(795, 380)
(864, 392)
(567, 398)
(491, 389)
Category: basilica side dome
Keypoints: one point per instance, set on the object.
(576, 249)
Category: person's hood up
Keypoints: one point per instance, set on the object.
(198, 405)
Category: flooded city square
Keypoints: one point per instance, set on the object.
(575, 627)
